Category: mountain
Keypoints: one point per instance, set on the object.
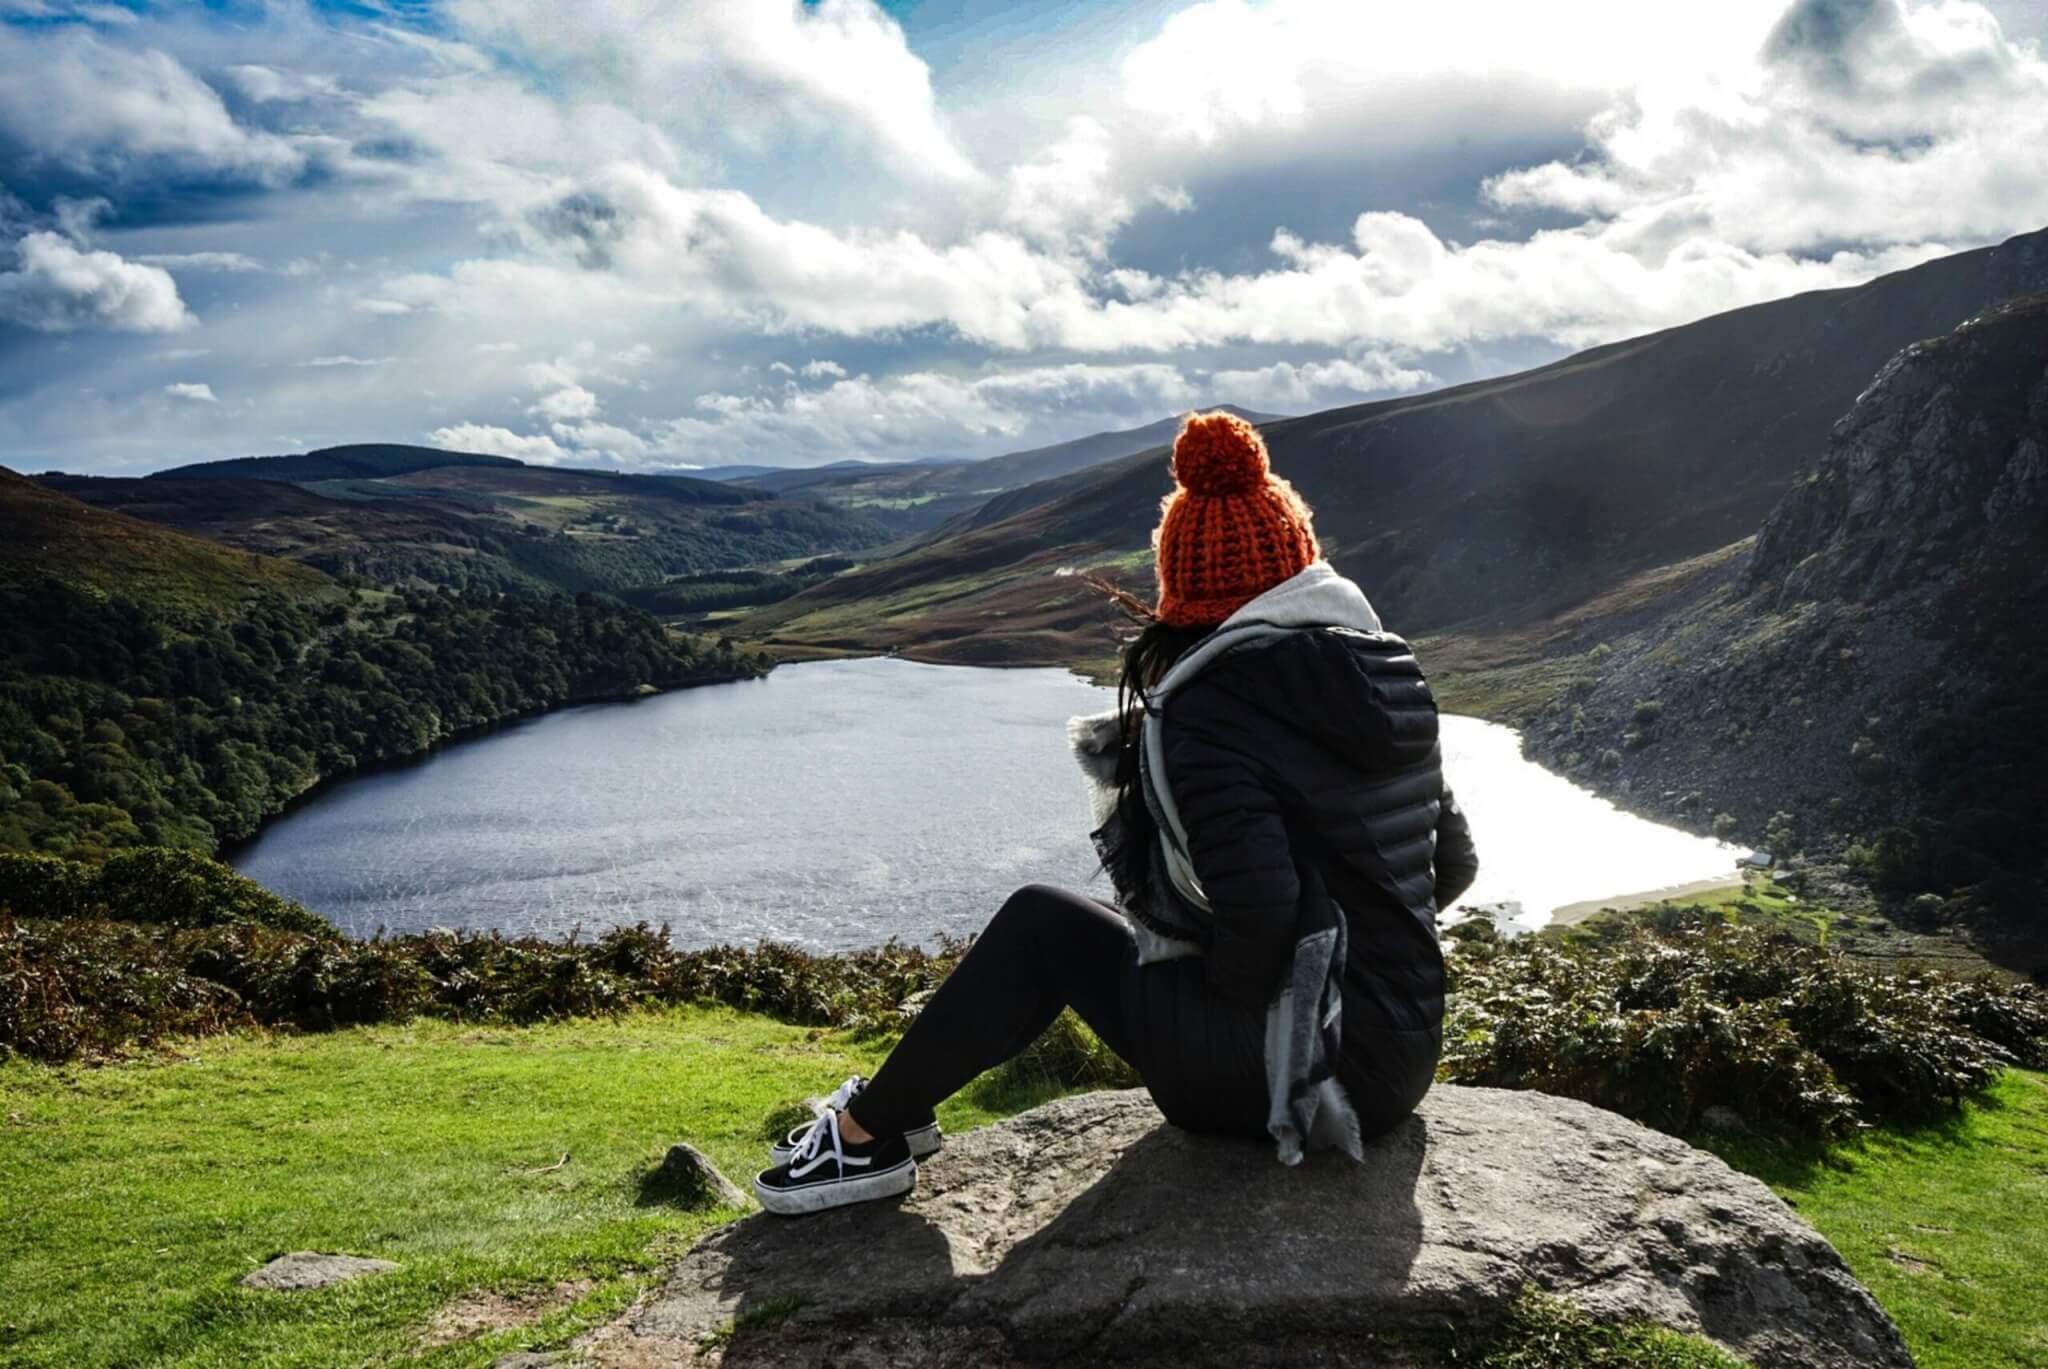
(414, 515)
(1482, 506)
(1864, 677)
(919, 498)
(363, 460)
(52, 542)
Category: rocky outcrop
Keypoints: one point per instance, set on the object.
(1941, 466)
(1087, 1231)
(304, 1269)
(1874, 661)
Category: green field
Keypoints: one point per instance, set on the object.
(515, 1162)
(137, 1194)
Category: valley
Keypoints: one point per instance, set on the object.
(1718, 574)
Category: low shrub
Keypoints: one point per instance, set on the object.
(89, 986)
(1662, 1027)
(152, 884)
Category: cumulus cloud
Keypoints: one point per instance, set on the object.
(1287, 386)
(110, 112)
(569, 402)
(825, 68)
(1068, 193)
(908, 414)
(58, 287)
(196, 391)
(1859, 121)
(486, 439)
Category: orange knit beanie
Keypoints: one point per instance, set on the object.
(1231, 530)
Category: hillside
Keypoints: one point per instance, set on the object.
(1862, 681)
(920, 497)
(1486, 505)
(47, 538)
(417, 516)
(157, 689)
(369, 460)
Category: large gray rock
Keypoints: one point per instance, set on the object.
(1087, 1231)
(303, 1269)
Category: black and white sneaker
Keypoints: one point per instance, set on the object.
(828, 1171)
(923, 1141)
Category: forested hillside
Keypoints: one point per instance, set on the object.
(158, 690)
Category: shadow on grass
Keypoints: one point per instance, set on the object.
(1797, 1162)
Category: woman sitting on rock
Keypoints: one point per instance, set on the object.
(1273, 815)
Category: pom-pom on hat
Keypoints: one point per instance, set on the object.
(1231, 529)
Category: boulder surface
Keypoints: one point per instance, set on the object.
(1089, 1231)
(304, 1269)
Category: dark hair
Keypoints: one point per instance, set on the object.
(1147, 656)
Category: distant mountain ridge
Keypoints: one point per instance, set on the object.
(365, 460)
(931, 498)
(1486, 504)
(420, 516)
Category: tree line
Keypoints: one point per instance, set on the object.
(119, 730)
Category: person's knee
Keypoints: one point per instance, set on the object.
(1032, 902)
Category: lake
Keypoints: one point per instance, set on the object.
(835, 804)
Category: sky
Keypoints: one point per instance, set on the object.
(659, 234)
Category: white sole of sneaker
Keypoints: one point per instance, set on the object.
(797, 1202)
(923, 1142)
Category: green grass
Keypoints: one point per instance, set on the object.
(1764, 903)
(1947, 1225)
(137, 1194)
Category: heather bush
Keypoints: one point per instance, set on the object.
(1662, 1027)
(152, 884)
(88, 986)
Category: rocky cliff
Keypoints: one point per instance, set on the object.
(1872, 666)
(1088, 1232)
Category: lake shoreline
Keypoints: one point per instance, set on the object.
(839, 805)
(1574, 913)
(226, 851)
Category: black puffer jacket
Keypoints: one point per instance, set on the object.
(1307, 767)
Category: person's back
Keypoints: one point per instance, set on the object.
(1337, 729)
(1272, 813)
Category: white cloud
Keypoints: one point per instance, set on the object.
(1861, 121)
(731, 69)
(569, 402)
(265, 85)
(815, 370)
(198, 392)
(1225, 69)
(1317, 384)
(1068, 193)
(59, 288)
(202, 261)
(104, 110)
(488, 440)
(343, 359)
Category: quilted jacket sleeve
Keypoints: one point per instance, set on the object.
(1241, 854)
(1457, 860)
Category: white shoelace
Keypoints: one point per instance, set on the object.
(844, 1094)
(808, 1150)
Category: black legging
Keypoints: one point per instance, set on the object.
(1201, 1056)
